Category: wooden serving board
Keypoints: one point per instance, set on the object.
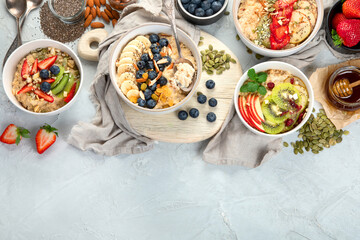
(168, 128)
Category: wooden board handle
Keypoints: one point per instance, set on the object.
(84, 49)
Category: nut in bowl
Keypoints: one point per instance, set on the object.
(142, 69)
(277, 28)
(43, 77)
(273, 99)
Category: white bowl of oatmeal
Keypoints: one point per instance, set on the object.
(282, 105)
(277, 28)
(142, 69)
(43, 77)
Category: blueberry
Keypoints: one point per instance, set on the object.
(199, 12)
(152, 75)
(141, 64)
(145, 57)
(163, 42)
(216, 6)
(151, 103)
(202, 98)
(186, 6)
(154, 38)
(222, 2)
(191, 8)
(157, 57)
(212, 102)
(209, 12)
(147, 94)
(211, 117)
(44, 74)
(194, 113)
(196, 2)
(141, 102)
(45, 87)
(156, 49)
(211, 1)
(162, 81)
(150, 65)
(185, 1)
(54, 69)
(139, 74)
(182, 115)
(210, 84)
(153, 87)
(205, 5)
(161, 67)
(168, 58)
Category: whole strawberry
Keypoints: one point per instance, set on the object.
(338, 18)
(351, 8)
(349, 32)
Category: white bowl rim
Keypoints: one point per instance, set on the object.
(317, 27)
(45, 41)
(114, 56)
(303, 77)
(203, 18)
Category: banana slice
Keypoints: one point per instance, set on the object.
(126, 68)
(133, 49)
(144, 40)
(299, 27)
(124, 77)
(128, 55)
(127, 86)
(309, 15)
(126, 60)
(133, 95)
(137, 44)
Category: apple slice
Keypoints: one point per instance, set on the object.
(256, 108)
(243, 111)
(259, 127)
(249, 111)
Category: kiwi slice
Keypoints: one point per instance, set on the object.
(272, 112)
(281, 95)
(303, 97)
(273, 128)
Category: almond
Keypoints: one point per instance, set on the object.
(97, 25)
(105, 17)
(87, 12)
(97, 3)
(103, 2)
(114, 21)
(98, 12)
(115, 14)
(93, 12)
(90, 3)
(108, 7)
(88, 21)
(108, 13)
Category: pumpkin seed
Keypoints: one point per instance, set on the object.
(211, 47)
(210, 72)
(237, 37)
(285, 144)
(201, 43)
(346, 132)
(201, 38)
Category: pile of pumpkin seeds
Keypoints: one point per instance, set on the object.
(215, 61)
(316, 134)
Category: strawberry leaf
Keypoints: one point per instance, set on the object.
(21, 132)
(336, 38)
(49, 129)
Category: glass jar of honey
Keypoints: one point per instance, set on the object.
(340, 92)
(121, 4)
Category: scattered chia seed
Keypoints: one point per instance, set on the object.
(67, 8)
(55, 29)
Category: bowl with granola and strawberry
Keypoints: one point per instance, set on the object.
(273, 99)
(277, 28)
(43, 77)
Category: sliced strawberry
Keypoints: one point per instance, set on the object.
(50, 80)
(25, 89)
(43, 95)
(14, 134)
(281, 33)
(25, 70)
(34, 68)
(45, 137)
(275, 45)
(47, 63)
(71, 94)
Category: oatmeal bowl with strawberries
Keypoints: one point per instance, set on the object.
(277, 28)
(145, 72)
(43, 77)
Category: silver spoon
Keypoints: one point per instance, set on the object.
(170, 12)
(30, 5)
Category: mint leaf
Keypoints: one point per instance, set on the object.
(253, 86)
(262, 76)
(262, 90)
(252, 74)
(336, 38)
(244, 88)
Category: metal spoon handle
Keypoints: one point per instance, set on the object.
(15, 44)
(19, 42)
(170, 12)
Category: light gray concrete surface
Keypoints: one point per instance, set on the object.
(169, 193)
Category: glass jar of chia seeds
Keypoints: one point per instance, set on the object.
(121, 4)
(68, 11)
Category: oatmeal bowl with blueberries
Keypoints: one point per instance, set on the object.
(43, 77)
(144, 71)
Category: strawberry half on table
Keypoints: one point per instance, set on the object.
(14, 134)
(45, 137)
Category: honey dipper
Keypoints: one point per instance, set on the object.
(343, 88)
